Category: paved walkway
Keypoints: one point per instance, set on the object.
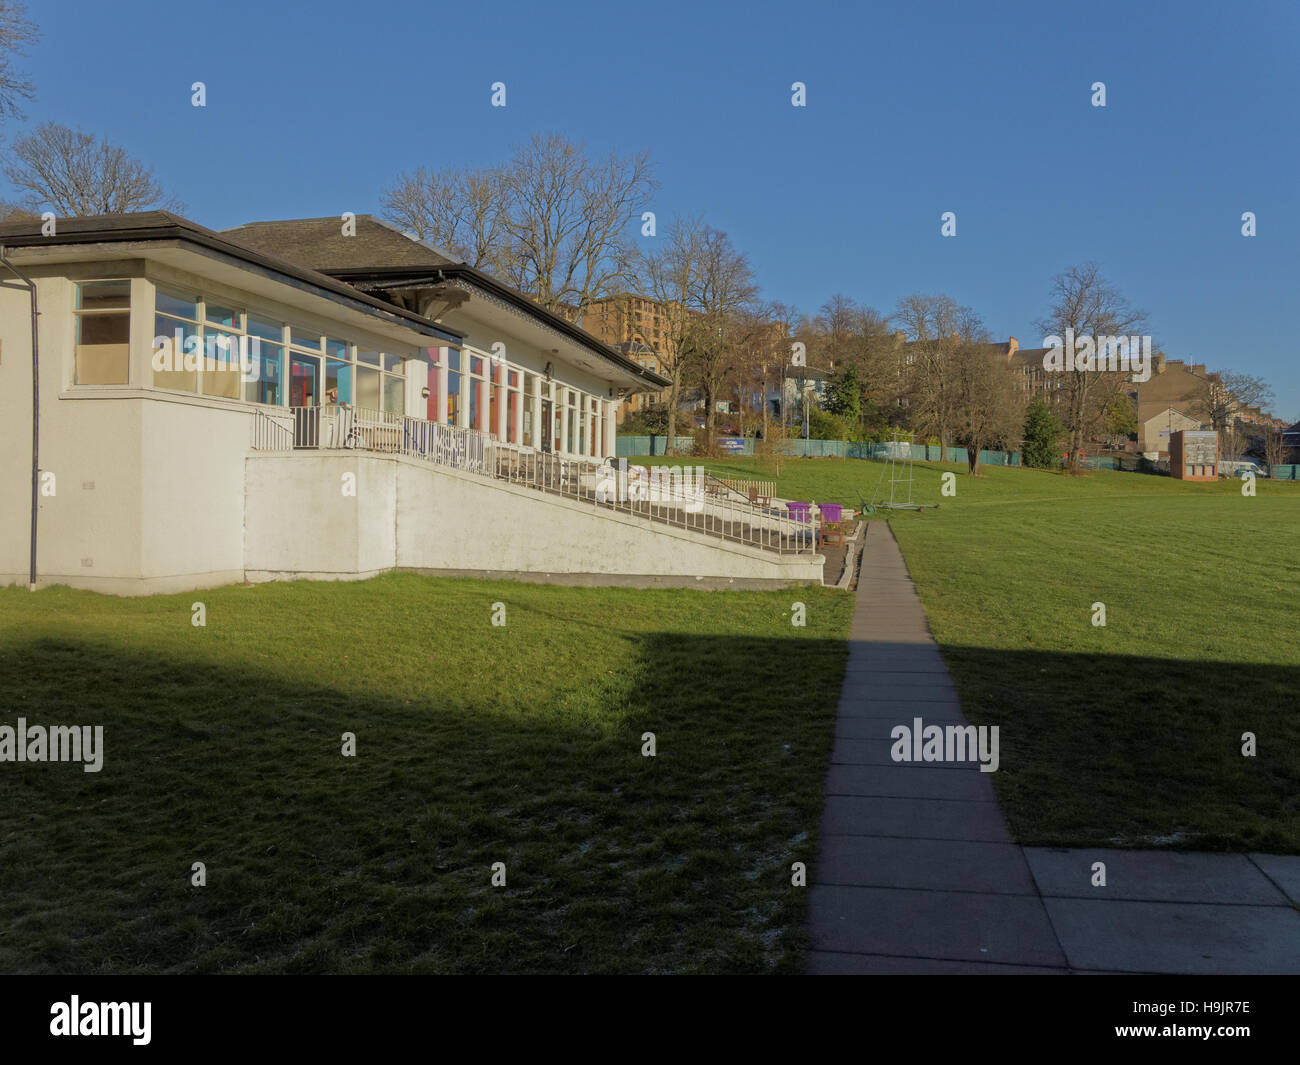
(918, 874)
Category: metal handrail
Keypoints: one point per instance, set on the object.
(675, 496)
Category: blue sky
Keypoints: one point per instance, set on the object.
(913, 109)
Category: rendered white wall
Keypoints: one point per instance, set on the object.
(410, 515)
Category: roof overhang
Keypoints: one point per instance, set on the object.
(161, 237)
(449, 290)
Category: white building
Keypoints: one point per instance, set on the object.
(285, 400)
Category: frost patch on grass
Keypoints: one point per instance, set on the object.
(1150, 841)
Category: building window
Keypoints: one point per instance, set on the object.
(103, 333)
(571, 405)
(304, 367)
(453, 385)
(266, 385)
(178, 342)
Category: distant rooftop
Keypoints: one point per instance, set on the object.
(320, 243)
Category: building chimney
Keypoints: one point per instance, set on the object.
(900, 337)
(1013, 345)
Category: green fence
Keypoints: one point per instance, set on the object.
(1285, 473)
(627, 446)
(630, 446)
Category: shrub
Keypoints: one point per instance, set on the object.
(1043, 433)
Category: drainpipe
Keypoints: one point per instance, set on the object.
(36, 411)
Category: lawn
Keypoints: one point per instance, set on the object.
(475, 745)
(1128, 734)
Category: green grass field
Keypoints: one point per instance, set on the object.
(522, 744)
(475, 745)
(1128, 734)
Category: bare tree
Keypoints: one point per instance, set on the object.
(16, 32)
(567, 219)
(461, 211)
(552, 221)
(14, 212)
(1225, 393)
(834, 332)
(1086, 304)
(1275, 448)
(77, 175)
(987, 407)
(669, 275)
(724, 287)
(938, 326)
(772, 354)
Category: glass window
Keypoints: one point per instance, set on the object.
(101, 295)
(367, 388)
(304, 380)
(394, 394)
(453, 399)
(337, 349)
(338, 381)
(475, 365)
(268, 371)
(304, 338)
(226, 316)
(392, 363)
(221, 369)
(181, 306)
(370, 357)
(265, 328)
(103, 333)
(177, 345)
(453, 359)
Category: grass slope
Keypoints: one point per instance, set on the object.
(476, 744)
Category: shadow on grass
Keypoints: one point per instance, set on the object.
(1132, 751)
(615, 862)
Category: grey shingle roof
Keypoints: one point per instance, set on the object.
(320, 243)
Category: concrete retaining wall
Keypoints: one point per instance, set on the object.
(412, 516)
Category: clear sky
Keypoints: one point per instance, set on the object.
(913, 108)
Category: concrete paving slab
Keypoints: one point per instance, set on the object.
(1177, 937)
(900, 838)
(932, 706)
(853, 815)
(909, 781)
(876, 751)
(1155, 876)
(866, 726)
(934, 865)
(933, 924)
(918, 687)
(828, 963)
(892, 667)
(1283, 870)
